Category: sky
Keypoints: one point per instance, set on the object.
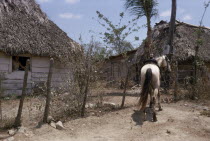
(78, 17)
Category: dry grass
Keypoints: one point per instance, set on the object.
(7, 123)
(63, 107)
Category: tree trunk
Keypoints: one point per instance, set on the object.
(48, 97)
(171, 49)
(18, 118)
(125, 87)
(195, 72)
(85, 93)
(195, 63)
(176, 82)
(148, 49)
(88, 73)
(137, 74)
(85, 98)
(172, 29)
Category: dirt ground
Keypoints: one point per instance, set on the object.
(177, 122)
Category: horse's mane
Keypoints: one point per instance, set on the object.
(160, 59)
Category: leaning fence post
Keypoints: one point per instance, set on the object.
(1, 118)
(18, 118)
(48, 97)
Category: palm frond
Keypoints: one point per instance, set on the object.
(141, 8)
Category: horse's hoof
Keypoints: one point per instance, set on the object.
(160, 109)
(154, 120)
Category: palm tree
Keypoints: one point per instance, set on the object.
(171, 49)
(172, 28)
(141, 8)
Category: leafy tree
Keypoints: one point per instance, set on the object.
(115, 35)
(144, 8)
(99, 51)
(199, 43)
(86, 69)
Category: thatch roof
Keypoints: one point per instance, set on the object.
(25, 29)
(184, 41)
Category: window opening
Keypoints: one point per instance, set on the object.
(19, 63)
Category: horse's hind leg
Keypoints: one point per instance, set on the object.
(153, 105)
(159, 105)
(144, 114)
(150, 103)
(153, 109)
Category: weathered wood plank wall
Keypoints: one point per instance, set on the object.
(12, 83)
(4, 63)
(40, 69)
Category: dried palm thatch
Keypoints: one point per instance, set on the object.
(184, 42)
(25, 29)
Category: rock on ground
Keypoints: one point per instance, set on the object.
(50, 119)
(59, 125)
(53, 124)
(11, 132)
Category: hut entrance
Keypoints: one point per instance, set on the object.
(19, 63)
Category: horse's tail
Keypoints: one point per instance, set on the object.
(145, 89)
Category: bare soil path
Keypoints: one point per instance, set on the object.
(177, 122)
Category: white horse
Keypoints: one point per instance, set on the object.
(150, 82)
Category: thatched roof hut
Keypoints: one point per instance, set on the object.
(25, 29)
(27, 33)
(184, 41)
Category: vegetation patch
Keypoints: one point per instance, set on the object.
(205, 113)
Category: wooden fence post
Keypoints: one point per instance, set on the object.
(18, 118)
(1, 116)
(48, 97)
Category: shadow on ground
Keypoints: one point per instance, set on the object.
(5, 137)
(119, 94)
(138, 116)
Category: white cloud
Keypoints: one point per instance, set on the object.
(165, 13)
(72, 1)
(43, 1)
(70, 16)
(187, 18)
